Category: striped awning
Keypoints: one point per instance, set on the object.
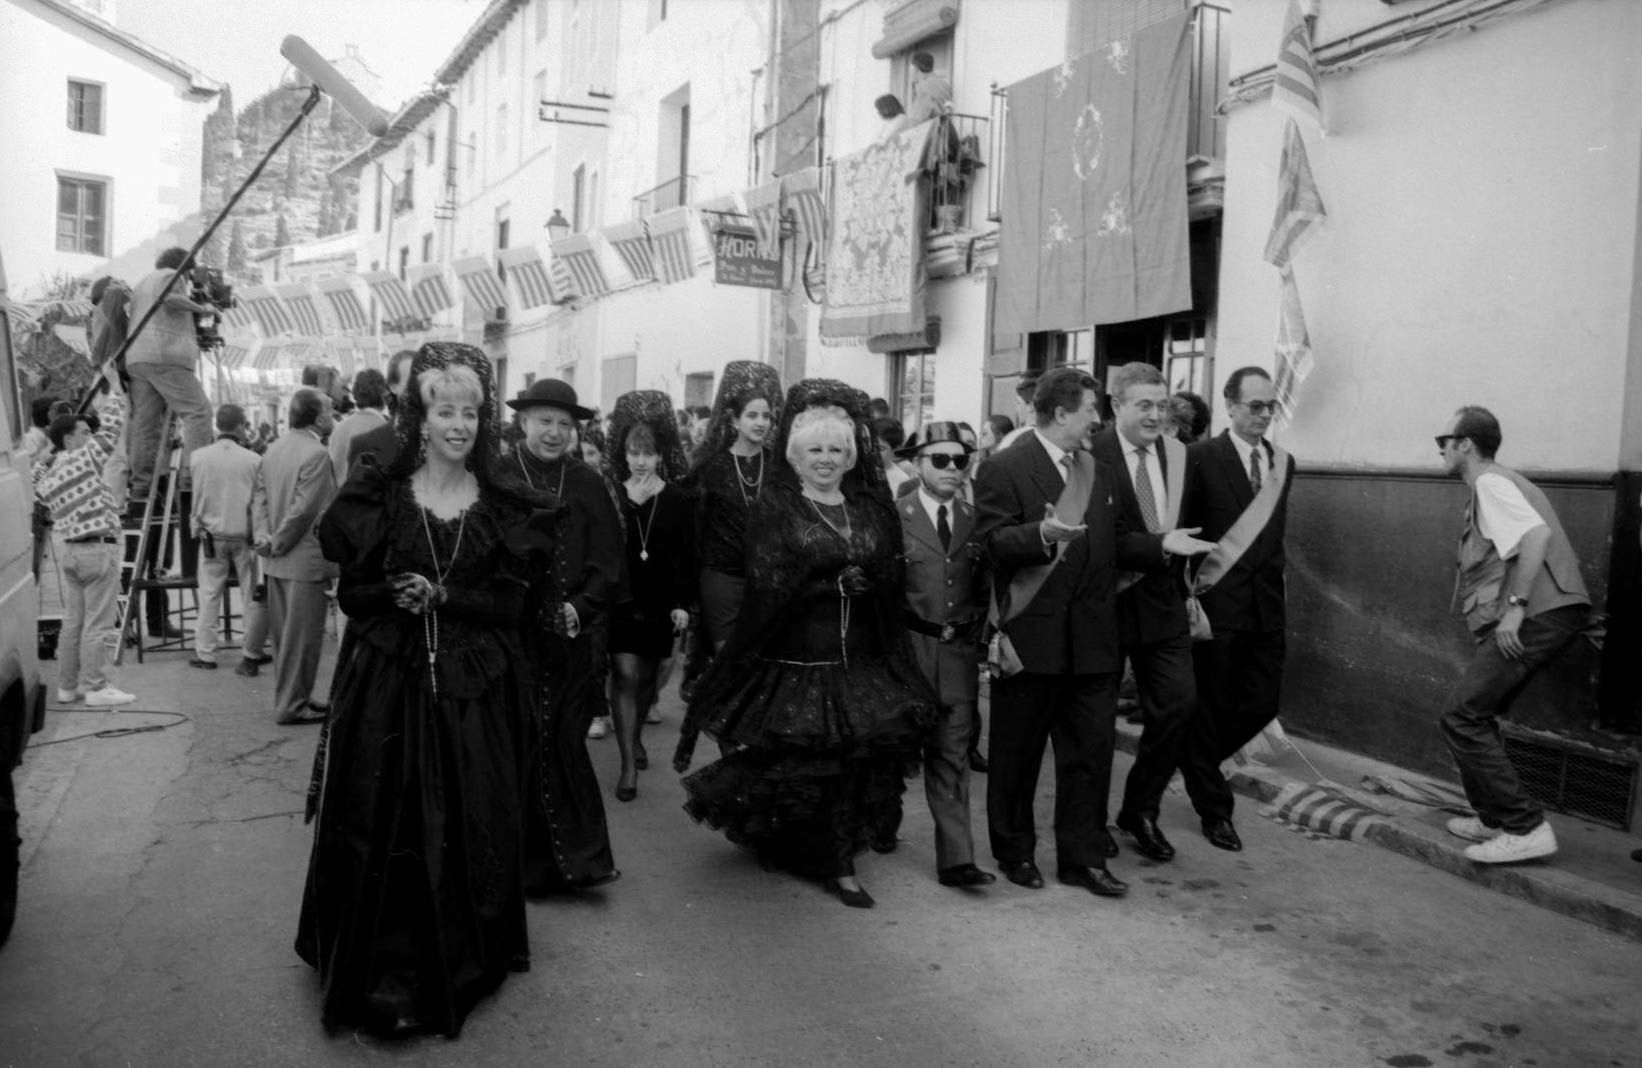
(429, 290)
(345, 304)
(480, 280)
(533, 282)
(238, 319)
(578, 254)
(670, 244)
(269, 310)
(391, 292)
(299, 301)
(632, 243)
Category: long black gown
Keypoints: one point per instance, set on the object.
(414, 907)
(820, 707)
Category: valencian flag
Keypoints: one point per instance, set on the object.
(1094, 197)
(1293, 349)
(1297, 87)
(1299, 205)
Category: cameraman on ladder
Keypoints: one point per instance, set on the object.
(162, 362)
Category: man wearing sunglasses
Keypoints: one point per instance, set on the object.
(1522, 596)
(946, 598)
(1238, 494)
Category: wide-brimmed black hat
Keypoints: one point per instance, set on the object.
(933, 434)
(550, 393)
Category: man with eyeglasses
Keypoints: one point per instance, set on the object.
(946, 598)
(1522, 596)
(1238, 494)
(1153, 630)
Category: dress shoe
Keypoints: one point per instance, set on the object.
(248, 669)
(1109, 845)
(627, 793)
(965, 875)
(1222, 835)
(977, 763)
(1097, 881)
(203, 665)
(885, 843)
(301, 719)
(855, 899)
(1149, 840)
(259, 660)
(321, 707)
(1023, 873)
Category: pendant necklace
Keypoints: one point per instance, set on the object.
(430, 616)
(644, 528)
(842, 533)
(755, 483)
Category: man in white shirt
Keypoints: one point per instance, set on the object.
(1522, 595)
(225, 475)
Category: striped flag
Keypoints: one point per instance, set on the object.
(1299, 205)
(345, 305)
(670, 244)
(479, 278)
(632, 243)
(395, 298)
(801, 192)
(529, 275)
(577, 253)
(269, 310)
(299, 301)
(1293, 349)
(764, 205)
(1297, 86)
(429, 291)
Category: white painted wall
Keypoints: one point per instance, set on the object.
(1482, 196)
(149, 151)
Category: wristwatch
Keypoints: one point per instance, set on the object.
(1516, 602)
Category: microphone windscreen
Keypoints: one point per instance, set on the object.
(331, 82)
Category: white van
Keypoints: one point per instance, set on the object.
(22, 695)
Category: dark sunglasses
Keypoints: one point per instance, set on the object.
(941, 459)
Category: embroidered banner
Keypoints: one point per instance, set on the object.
(1095, 190)
(875, 263)
(479, 278)
(632, 243)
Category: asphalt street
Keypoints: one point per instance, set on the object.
(163, 872)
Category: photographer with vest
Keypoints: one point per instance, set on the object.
(1520, 591)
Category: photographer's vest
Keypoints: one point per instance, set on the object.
(169, 335)
(1479, 593)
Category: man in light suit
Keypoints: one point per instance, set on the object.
(294, 484)
(946, 599)
(1056, 538)
(1153, 630)
(1240, 670)
(225, 475)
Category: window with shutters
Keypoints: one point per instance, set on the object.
(82, 215)
(912, 388)
(85, 107)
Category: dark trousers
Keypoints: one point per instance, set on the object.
(1470, 723)
(568, 840)
(1077, 714)
(1168, 695)
(1239, 682)
(946, 787)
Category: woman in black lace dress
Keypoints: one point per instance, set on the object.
(816, 701)
(731, 469)
(414, 909)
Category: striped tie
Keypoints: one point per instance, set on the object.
(1143, 490)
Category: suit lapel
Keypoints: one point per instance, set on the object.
(963, 522)
(915, 521)
(1044, 474)
(1171, 456)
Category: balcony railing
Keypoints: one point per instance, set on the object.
(960, 179)
(673, 193)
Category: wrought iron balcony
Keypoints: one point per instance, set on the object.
(673, 193)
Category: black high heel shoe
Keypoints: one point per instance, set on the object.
(855, 899)
(627, 793)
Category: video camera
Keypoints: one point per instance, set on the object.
(208, 285)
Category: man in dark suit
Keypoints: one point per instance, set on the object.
(383, 442)
(1151, 473)
(1238, 493)
(946, 599)
(1054, 533)
(293, 486)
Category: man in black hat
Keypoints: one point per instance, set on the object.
(569, 843)
(946, 599)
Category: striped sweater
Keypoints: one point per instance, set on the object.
(72, 484)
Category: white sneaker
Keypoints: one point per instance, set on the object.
(598, 728)
(1471, 828)
(68, 697)
(108, 696)
(1510, 848)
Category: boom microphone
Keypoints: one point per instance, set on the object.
(330, 80)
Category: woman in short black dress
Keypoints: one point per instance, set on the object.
(660, 521)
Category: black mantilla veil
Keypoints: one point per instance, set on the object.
(654, 409)
(829, 392)
(741, 381)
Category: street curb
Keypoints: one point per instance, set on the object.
(1544, 885)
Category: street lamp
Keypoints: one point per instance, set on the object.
(558, 227)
